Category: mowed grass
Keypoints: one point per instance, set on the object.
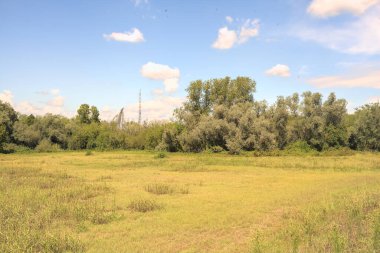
(133, 202)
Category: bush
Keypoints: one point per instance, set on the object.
(340, 151)
(88, 153)
(46, 146)
(12, 148)
(159, 188)
(160, 155)
(216, 149)
(144, 205)
(234, 147)
(299, 147)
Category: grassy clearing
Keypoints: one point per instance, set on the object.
(134, 202)
(33, 204)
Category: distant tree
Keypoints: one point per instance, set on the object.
(8, 117)
(312, 119)
(94, 114)
(293, 104)
(334, 111)
(26, 131)
(280, 121)
(366, 134)
(84, 114)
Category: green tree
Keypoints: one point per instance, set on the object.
(84, 114)
(334, 111)
(312, 119)
(366, 134)
(94, 114)
(26, 131)
(280, 121)
(8, 117)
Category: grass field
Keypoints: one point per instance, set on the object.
(141, 202)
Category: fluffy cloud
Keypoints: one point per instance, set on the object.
(368, 79)
(229, 19)
(169, 76)
(279, 70)
(374, 99)
(55, 105)
(249, 29)
(228, 38)
(361, 36)
(328, 8)
(138, 2)
(134, 36)
(7, 96)
(158, 92)
(55, 92)
(27, 107)
(160, 108)
(57, 101)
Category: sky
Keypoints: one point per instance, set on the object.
(56, 55)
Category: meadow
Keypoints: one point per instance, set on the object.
(139, 201)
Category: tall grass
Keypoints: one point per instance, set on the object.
(33, 204)
(162, 188)
(340, 224)
(144, 205)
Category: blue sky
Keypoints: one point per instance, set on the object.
(55, 55)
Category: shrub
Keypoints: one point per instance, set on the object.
(234, 147)
(88, 153)
(216, 149)
(299, 147)
(159, 188)
(12, 148)
(144, 205)
(160, 155)
(46, 146)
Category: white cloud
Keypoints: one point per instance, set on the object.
(54, 106)
(228, 38)
(7, 96)
(328, 8)
(57, 101)
(138, 2)
(134, 36)
(279, 70)
(159, 108)
(55, 91)
(107, 113)
(249, 29)
(361, 36)
(157, 92)
(169, 76)
(27, 107)
(368, 79)
(374, 99)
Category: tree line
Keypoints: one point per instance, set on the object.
(218, 115)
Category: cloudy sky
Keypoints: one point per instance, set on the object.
(55, 55)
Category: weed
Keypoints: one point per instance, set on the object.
(159, 188)
(376, 235)
(160, 155)
(144, 205)
(34, 202)
(184, 190)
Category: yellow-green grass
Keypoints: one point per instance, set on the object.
(129, 201)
